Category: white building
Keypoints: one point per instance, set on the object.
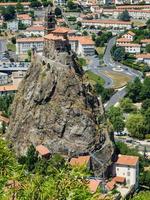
(144, 42)
(25, 19)
(12, 25)
(34, 30)
(115, 24)
(17, 77)
(3, 46)
(4, 79)
(145, 58)
(131, 47)
(128, 167)
(82, 45)
(134, 13)
(60, 2)
(129, 35)
(25, 44)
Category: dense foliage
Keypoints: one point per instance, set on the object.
(124, 16)
(5, 102)
(115, 115)
(145, 195)
(37, 178)
(102, 38)
(138, 124)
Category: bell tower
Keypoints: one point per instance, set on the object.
(50, 20)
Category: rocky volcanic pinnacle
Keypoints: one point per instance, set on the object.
(56, 107)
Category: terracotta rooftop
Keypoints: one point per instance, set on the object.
(143, 55)
(42, 150)
(93, 184)
(31, 39)
(111, 184)
(119, 179)
(14, 4)
(100, 21)
(8, 88)
(23, 17)
(4, 119)
(145, 41)
(80, 161)
(84, 40)
(36, 28)
(129, 10)
(127, 160)
(129, 45)
(131, 33)
(53, 37)
(133, 6)
(63, 30)
(123, 40)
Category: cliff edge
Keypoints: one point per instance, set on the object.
(55, 106)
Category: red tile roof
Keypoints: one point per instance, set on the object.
(131, 33)
(23, 17)
(80, 161)
(127, 160)
(84, 40)
(111, 184)
(4, 119)
(129, 45)
(143, 55)
(14, 3)
(31, 39)
(63, 30)
(101, 21)
(93, 184)
(36, 28)
(8, 88)
(53, 37)
(42, 150)
(123, 40)
(145, 41)
(119, 179)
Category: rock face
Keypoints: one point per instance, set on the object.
(56, 107)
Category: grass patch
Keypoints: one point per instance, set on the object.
(11, 47)
(94, 78)
(138, 23)
(100, 50)
(119, 80)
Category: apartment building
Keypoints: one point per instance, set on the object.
(145, 58)
(12, 25)
(82, 45)
(144, 42)
(125, 38)
(25, 44)
(131, 47)
(115, 24)
(128, 167)
(35, 30)
(134, 13)
(25, 19)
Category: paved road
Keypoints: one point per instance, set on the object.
(94, 66)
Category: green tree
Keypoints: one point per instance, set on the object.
(124, 16)
(119, 54)
(145, 104)
(35, 4)
(13, 40)
(31, 158)
(58, 11)
(127, 106)
(148, 23)
(136, 125)
(115, 116)
(147, 120)
(19, 8)
(71, 5)
(9, 13)
(145, 91)
(144, 195)
(145, 178)
(134, 90)
(147, 48)
(85, 33)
